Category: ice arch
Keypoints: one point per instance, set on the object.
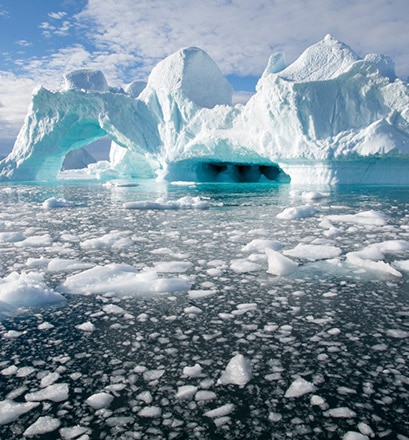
(63, 121)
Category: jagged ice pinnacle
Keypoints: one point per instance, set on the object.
(329, 117)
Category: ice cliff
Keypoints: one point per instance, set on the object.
(329, 117)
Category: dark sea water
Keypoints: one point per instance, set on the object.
(341, 326)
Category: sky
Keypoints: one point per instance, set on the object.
(40, 40)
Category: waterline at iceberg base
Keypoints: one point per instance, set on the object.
(330, 117)
(211, 311)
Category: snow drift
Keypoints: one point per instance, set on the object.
(329, 117)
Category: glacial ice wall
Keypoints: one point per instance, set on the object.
(329, 117)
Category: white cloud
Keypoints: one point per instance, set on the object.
(57, 15)
(15, 97)
(240, 35)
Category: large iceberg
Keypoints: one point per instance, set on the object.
(329, 117)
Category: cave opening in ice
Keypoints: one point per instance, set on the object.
(218, 171)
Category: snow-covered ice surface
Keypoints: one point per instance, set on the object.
(189, 323)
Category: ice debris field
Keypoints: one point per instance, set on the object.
(330, 117)
(167, 311)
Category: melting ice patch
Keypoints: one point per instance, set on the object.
(122, 279)
(313, 251)
(27, 290)
(53, 202)
(186, 202)
(297, 212)
(361, 218)
(371, 256)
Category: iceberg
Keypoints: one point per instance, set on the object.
(330, 117)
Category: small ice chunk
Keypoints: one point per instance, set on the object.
(259, 245)
(340, 413)
(10, 410)
(73, 432)
(317, 400)
(238, 371)
(45, 326)
(186, 392)
(9, 371)
(42, 425)
(314, 251)
(53, 202)
(299, 387)
(49, 379)
(365, 429)
(244, 266)
(27, 290)
(124, 280)
(278, 264)
(100, 400)
(221, 411)
(194, 371)
(361, 218)
(352, 435)
(205, 395)
(359, 259)
(274, 417)
(192, 310)
(398, 334)
(86, 326)
(186, 202)
(66, 265)
(150, 375)
(297, 212)
(172, 266)
(55, 392)
(145, 396)
(11, 237)
(197, 294)
(150, 412)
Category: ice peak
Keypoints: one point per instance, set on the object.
(324, 60)
(86, 80)
(194, 74)
(276, 63)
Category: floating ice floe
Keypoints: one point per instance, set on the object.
(371, 256)
(297, 212)
(371, 217)
(53, 202)
(100, 400)
(259, 245)
(186, 202)
(238, 371)
(10, 410)
(27, 290)
(122, 279)
(299, 387)
(353, 435)
(313, 251)
(278, 264)
(57, 392)
(43, 425)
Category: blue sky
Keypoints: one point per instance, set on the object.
(40, 40)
